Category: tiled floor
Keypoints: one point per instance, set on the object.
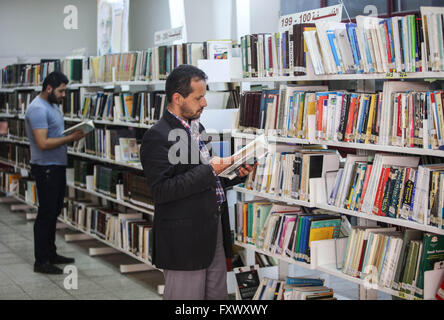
(98, 277)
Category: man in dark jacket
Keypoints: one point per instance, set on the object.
(191, 223)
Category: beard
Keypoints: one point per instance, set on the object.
(53, 99)
(189, 114)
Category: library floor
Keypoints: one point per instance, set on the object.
(99, 277)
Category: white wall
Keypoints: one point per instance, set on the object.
(35, 28)
(264, 15)
(147, 17)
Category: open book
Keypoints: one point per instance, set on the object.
(86, 127)
(249, 154)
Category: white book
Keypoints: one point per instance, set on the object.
(329, 62)
(376, 39)
(345, 48)
(314, 52)
(397, 44)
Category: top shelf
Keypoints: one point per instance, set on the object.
(354, 76)
(311, 77)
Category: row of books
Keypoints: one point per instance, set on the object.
(28, 74)
(126, 231)
(411, 43)
(293, 289)
(284, 230)
(274, 54)
(393, 259)
(405, 114)
(372, 45)
(14, 183)
(114, 143)
(251, 287)
(391, 186)
(141, 107)
(16, 102)
(284, 111)
(16, 129)
(15, 153)
(121, 184)
(288, 173)
(155, 63)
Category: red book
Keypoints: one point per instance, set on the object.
(387, 41)
(364, 187)
(380, 193)
(319, 109)
(349, 128)
(399, 122)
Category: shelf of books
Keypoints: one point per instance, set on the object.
(272, 197)
(280, 257)
(108, 243)
(148, 209)
(133, 165)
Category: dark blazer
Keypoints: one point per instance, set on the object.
(184, 194)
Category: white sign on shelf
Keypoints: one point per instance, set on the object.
(168, 36)
(333, 13)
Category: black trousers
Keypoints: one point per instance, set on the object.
(51, 185)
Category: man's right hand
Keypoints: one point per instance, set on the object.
(220, 164)
(77, 135)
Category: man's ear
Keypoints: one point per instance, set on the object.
(177, 98)
(49, 88)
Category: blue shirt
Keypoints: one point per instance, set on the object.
(43, 115)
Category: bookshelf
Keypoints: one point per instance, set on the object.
(326, 268)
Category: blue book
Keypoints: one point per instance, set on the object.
(334, 192)
(306, 282)
(290, 114)
(367, 52)
(331, 40)
(361, 120)
(284, 52)
(351, 33)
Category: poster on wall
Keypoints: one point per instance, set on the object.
(112, 26)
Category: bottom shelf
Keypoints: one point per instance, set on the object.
(331, 269)
(132, 255)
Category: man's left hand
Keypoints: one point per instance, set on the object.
(246, 169)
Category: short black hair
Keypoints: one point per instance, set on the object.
(179, 80)
(54, 79)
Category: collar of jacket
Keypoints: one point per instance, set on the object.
(175, 123)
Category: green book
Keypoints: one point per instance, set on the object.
(407, 267)
(409, 234)
(250, 222)
(412, 269)
(432, 252)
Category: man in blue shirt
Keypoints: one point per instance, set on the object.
(44, 126)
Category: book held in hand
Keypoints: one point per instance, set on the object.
(86, 127)
(249, 154)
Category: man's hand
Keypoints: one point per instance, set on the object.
(77, 135)
(245, 169)
(220, 164)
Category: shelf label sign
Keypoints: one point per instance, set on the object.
(332, 13)
(168, 36)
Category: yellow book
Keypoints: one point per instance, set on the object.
(370, 118)
(300, 116)
(321, 234)
(129, 104)
(86, 106)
